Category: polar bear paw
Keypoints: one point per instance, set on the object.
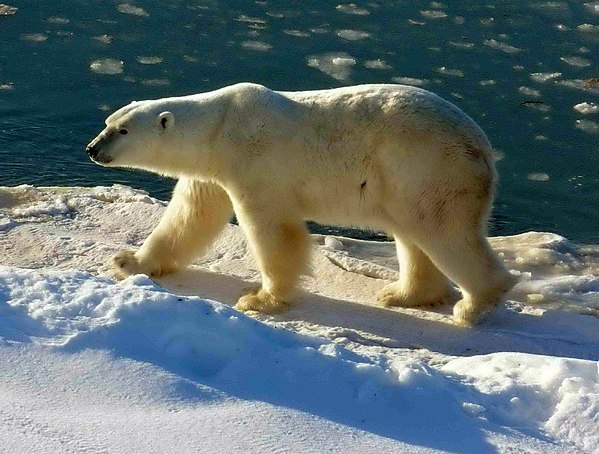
(393, 296)
(467, 314)
(127, 263)
(259, 300)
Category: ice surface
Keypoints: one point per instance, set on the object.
(352, 35)
(590, 126)
(544, 77)
(107, 66)
(258, 46)
(538, 177)
(7, 10)
(155, 82)
(127, 8)
(93, 364)
(529, 91)
(504, 47)
(593, 7)
(577, 61)
(34, 37)
(149, 60)
(450, 72)
(377, 64)
(433, 14)
(587, 108)
(409, 81)
(352, 8)
(335, 64)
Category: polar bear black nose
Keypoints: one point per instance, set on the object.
(92, 151)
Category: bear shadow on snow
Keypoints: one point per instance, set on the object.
(397, 329)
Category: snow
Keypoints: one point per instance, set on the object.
(91, 364)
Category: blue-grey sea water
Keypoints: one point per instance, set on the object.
(526, 71)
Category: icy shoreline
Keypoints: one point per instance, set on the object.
(81, 355)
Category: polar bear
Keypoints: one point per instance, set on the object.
(387, 157)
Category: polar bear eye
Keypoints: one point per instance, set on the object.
(123, 131)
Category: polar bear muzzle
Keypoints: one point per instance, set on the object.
(96, 147)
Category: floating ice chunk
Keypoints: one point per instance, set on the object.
(590, 85)
(34, 37)
(258, 46)
(7, 10)
(320, 30)
(587, 108)
(593, 7)
(297, 33)
(250, 20)
(58, 20)
(438, 5)
(592, 127)
(459, 20)
(544, 77)
(149, 60)
(450, 72)
(588, 28)
(156, 82)
(377, 64)
(529, 91)
(409, 81)
(433, 14)
(352, 35)
(552, 9)
(486, 82)
(344, 61)
(461, 45)
(577, 61)
(335, 64)
(507, 48)
(538, 176)
(7, 86)
(352, 8)
(415, 22)
(107, 66)
(536, 105)
(104, 39)
(562, 27)
(127, 8)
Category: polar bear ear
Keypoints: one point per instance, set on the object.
(166, 120)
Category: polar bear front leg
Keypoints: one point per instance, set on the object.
(420, 283)
(197, 212)
(281, 247)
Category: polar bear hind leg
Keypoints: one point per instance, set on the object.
(196, 214)
(468, 260)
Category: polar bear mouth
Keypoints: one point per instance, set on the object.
(96, 155)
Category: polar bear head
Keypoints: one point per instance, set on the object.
(134, 136)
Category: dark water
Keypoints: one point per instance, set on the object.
(481, 57)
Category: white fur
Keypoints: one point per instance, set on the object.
(388, 157)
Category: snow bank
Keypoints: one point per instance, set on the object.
(87, 363)
(215, 346)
